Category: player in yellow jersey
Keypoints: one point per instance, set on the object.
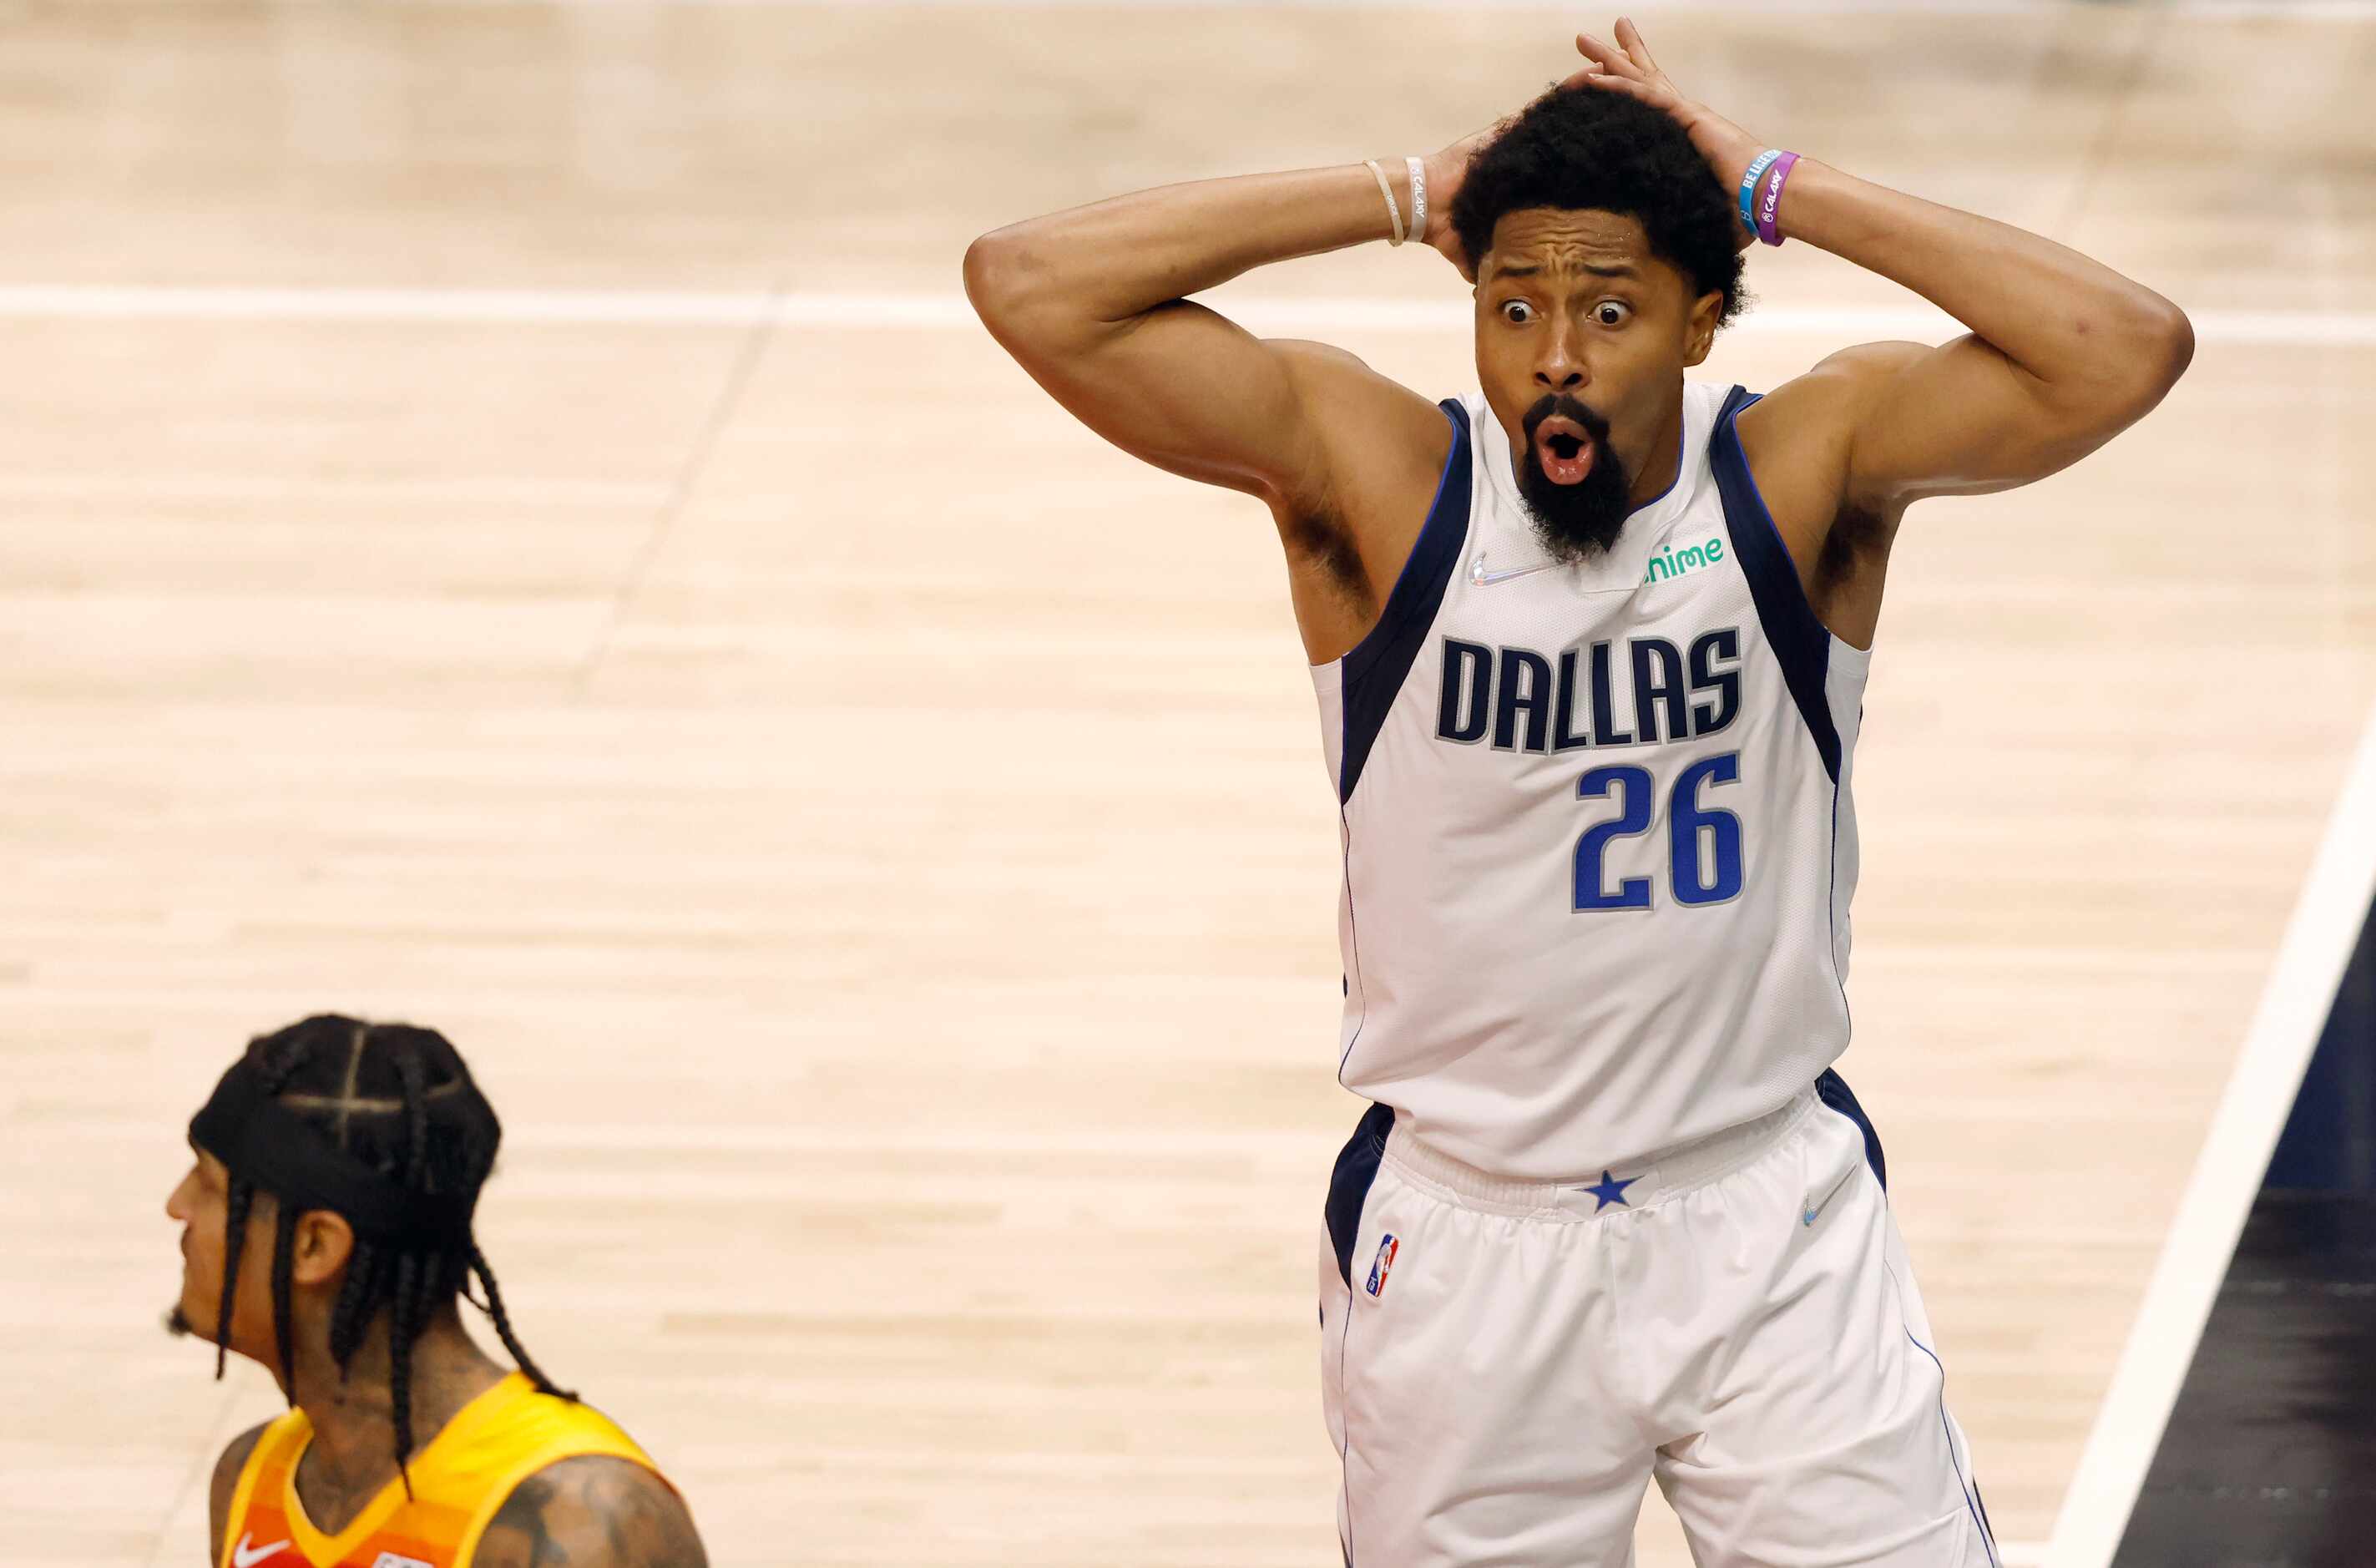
(338, 1165)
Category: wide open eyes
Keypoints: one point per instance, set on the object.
(1607, 313)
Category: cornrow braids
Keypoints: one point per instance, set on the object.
(501, 1320)
(403, 1327)
(284, 1264)
(399, 1101)
(278, 1065)
(409, 1308)
(364, 1267)
(237, 1205)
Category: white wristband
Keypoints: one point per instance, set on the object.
(1418, 199)
(1393, 210)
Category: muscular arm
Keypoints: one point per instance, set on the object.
(1091, 303)
(224, 1485)
(595, 1512)
(2062, 354)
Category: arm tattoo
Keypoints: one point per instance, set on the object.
(518, 1535)
(646, 1524)
(595, 1512)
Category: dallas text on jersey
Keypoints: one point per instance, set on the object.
(1529, 701)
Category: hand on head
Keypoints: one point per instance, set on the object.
(1625, 67)
(1628, 69)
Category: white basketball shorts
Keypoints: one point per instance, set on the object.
(1506, 1364)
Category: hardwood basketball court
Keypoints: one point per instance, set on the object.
(511, 526)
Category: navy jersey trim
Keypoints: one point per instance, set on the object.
(1800, 640)
(1374, 670)
(1833, 1091)
(1970, 1490)
(1348, 1185)
(1353, 931)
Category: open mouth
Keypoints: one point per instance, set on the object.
(1565, 450)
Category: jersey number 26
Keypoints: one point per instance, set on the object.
(1703, 844)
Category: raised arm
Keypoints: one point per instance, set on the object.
(595, 1512)
(1091, 303)
(2063, 353)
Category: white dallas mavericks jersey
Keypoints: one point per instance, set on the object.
(1598, 844)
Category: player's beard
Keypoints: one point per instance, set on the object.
(177, 1322)
(1576, 521)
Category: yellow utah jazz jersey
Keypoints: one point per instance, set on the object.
(459, 1479)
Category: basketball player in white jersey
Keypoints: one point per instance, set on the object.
(1590, 647)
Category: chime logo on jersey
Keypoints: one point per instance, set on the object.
(1674, 563)
(1386, 1251)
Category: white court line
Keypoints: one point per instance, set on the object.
(2260, 10)
(665, 307)
(635, 307)
(2285, 1030)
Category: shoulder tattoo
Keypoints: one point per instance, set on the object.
(594, 1512)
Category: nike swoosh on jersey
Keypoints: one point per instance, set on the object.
(242, 1557)
(1479, 578)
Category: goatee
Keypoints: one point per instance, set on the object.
(1576, 521)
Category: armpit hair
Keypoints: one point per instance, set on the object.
(1324, 541)
(1857, 533)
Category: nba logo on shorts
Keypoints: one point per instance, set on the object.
(1386, 1251)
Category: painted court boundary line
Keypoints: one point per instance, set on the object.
(2285, 1030)
(2275, 10)
(664, 307)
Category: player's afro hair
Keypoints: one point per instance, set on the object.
(1586, 147)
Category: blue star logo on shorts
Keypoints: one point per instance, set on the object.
(1611, 1192)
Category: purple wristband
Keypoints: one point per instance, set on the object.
(1771, 201)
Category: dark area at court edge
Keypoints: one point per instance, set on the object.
(2270, 1457)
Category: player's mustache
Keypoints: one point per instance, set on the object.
(1559, 403)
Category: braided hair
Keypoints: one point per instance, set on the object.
(400, 1100)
